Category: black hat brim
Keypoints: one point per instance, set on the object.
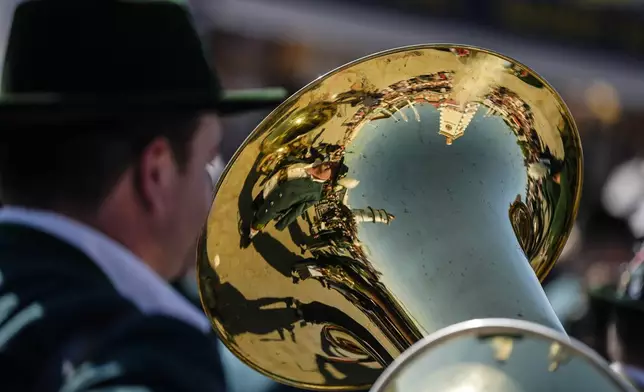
(41, 108)
(240, 101)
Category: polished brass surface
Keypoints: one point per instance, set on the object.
(500, 355)
(399, 194)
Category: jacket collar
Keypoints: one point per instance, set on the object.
(129, 275)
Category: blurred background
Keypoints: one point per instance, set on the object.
(591, 51)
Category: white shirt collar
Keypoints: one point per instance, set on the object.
(130, 276)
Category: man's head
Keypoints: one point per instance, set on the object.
(147, 187)
(328, 170)
(107, 112)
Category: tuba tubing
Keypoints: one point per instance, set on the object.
(501, 355)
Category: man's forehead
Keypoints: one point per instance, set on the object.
(210, 119)
(210, 127)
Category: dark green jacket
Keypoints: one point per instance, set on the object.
(287, 202)
(60, 315)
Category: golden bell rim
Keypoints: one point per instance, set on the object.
(276, 114)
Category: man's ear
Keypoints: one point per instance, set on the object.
(155, 175)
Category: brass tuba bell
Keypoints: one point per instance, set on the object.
(397, 195)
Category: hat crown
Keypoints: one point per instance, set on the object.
(106, 48)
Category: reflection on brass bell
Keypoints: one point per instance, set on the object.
(476, 157)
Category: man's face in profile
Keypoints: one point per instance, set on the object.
(189, 197)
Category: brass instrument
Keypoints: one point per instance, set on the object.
(397, 195)
(500, 355)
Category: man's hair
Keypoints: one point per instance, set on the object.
(77, 163)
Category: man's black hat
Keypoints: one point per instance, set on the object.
(103, 57)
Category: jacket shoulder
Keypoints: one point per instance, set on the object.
(62, 323)
(41, 309)
(155, 353)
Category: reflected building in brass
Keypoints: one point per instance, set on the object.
(397, 195)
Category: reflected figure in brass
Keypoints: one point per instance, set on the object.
(399, 194)
(291, 191)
